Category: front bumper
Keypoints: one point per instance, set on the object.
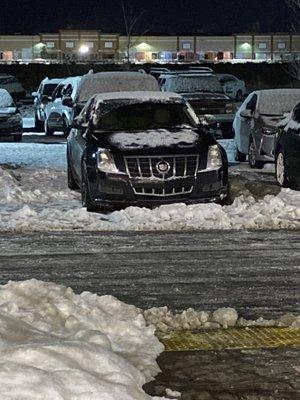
(11, 130)
(120, 190)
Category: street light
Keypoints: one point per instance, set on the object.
(83, 49)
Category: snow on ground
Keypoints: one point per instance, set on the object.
(165, 321)
(34, 196)
(58, 345)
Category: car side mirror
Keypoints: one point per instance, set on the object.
(67, 102)
(46, 99)
(246, 114)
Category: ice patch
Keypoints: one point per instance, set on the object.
(57, 345)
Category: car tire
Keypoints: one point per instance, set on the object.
(238, 156)
(72, 184)
(253, 163)
(281, 169)
(48, 131)
(18, 138)
(239, 96)
(39, 125)
(66, 127)
(85, 193)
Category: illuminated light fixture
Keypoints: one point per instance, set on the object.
(84, 49)
(143, 46)
(246, 46)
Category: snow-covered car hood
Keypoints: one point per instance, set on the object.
(201, 95)
(153, 139)
(7, 111)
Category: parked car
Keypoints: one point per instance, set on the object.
(256, 122)
(133, 148)
(59, 117)
(204, 92)
(234, 88)
(287, 150)
(41, 98)
(104, 82)
(10, 117)
(13, 86)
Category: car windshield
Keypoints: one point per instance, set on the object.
(5, 99)
(49, 88)
(194, 84)
(146, 116)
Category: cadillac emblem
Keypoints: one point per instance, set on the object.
(163, 167)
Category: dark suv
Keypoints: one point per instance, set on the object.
(144, 149)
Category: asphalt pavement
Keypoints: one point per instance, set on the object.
(255, 272)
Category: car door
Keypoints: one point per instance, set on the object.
(78, 137)
(54, 109)
(247, 125)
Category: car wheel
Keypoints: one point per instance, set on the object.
(239, 96)
(85, 193)
(252, 156)
(72, 184)
(48, 131)
(39, 125)
(66, 127)
(238, 156)
(18, 138)
(281, 170)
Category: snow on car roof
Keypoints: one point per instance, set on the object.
(5, 99)
(50, 80)
(139, 95)
(277, 101)
(108, 82)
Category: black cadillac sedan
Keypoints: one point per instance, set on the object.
(287, 151)
(143, 149)
(10, 117)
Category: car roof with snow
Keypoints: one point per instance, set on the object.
(107, 82)
(140, 96)
(277, 101)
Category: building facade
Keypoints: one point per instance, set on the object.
(91, 45)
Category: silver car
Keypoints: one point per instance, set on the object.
(234, 87)
(256, 121)
(41, 98)
(59, 117)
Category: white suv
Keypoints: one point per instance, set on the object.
(41, 99)
(59, 117)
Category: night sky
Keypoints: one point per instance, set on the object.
(160, 16)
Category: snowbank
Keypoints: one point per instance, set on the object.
(165, 321)
(58, 345)
(40, 201)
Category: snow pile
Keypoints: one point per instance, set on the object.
(165, 321)
(58, 345)
(39, 200)
(154, 138)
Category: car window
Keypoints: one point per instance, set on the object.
(145, 116)
(49, 88)
(57, 94)
(67, 90)
(251, 105)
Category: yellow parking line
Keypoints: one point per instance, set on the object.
(233, 338)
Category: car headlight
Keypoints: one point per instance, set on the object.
(106, 162)
(214, 157)
(229, 108)
(268, 131)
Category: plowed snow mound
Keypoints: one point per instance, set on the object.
(39, 200)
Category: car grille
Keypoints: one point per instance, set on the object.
(3, 119)
(147, 180)
(201, 108)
